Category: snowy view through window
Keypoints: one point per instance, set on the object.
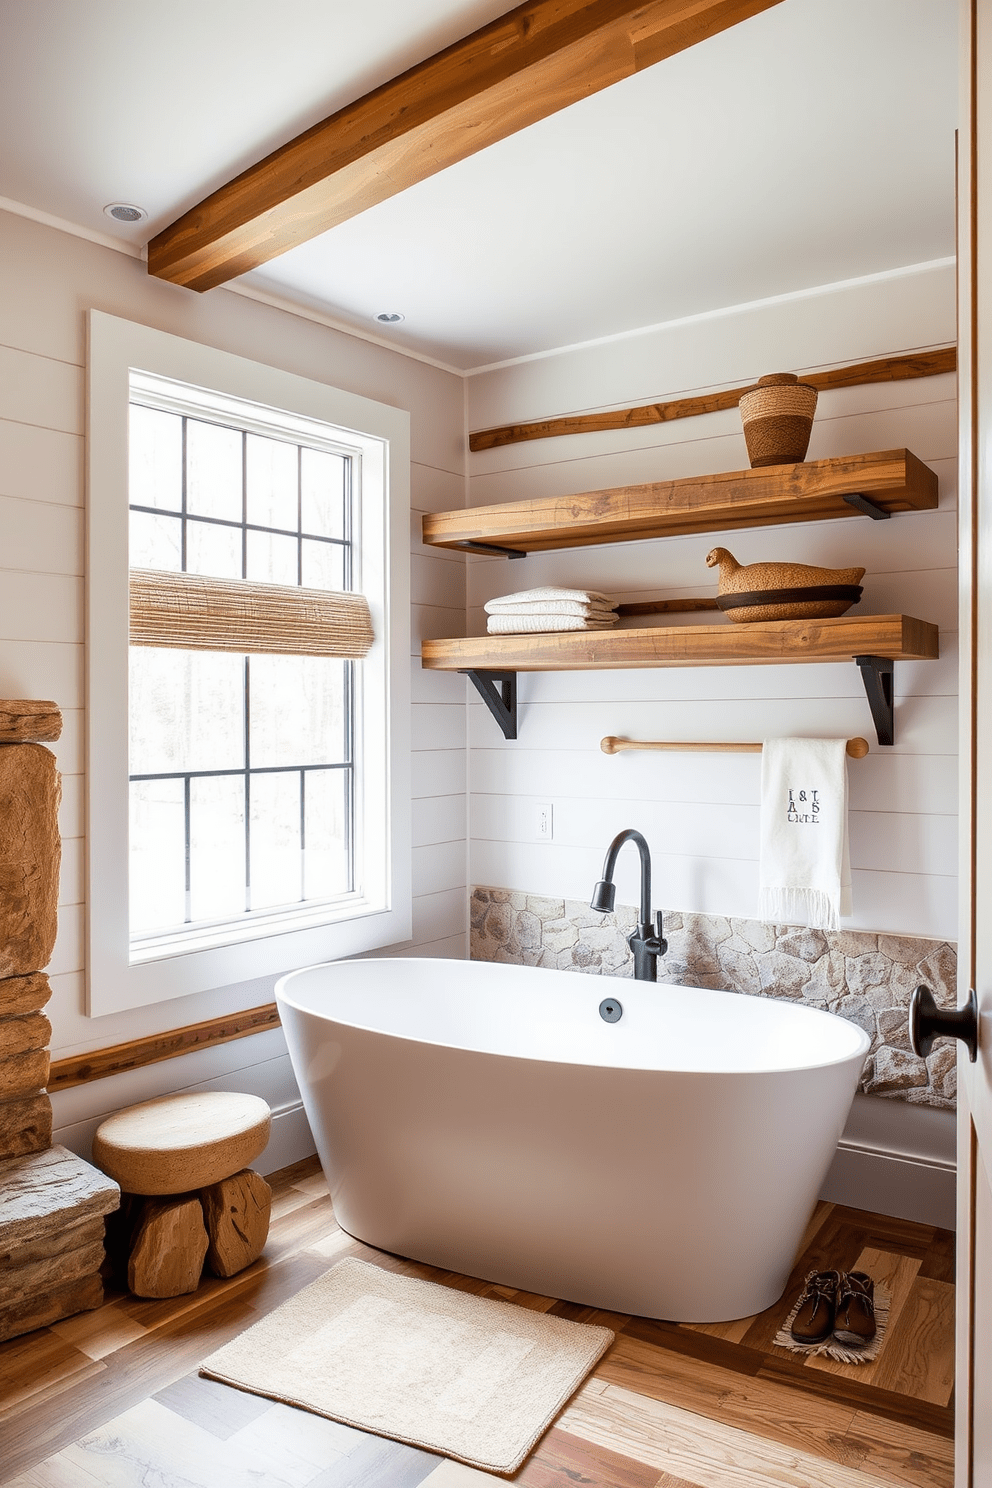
(241, 767)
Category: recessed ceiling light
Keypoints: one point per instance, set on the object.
(389, 317)
(125, 212)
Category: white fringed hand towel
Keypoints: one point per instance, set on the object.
(805, 873)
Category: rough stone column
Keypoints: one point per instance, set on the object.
(52, 1203)
(30, 855)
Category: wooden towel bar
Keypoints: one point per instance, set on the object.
(856, 748)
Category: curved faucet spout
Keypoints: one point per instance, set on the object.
(647, 941)
(609, 868)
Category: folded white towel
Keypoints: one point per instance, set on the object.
(524, 624)
(552, 607)
(536, 596)
(805, 872)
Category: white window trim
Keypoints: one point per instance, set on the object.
(115, 982)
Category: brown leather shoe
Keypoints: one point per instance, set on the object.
(814, 1321)
(855, 1319)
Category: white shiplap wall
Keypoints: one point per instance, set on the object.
(49, 280)
(699, 811)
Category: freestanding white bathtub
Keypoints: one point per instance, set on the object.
(486, 1119)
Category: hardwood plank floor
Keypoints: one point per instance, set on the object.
(113, 1397)
(691, 1444)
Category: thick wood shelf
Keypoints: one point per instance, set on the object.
(894, 480)
(895, 637)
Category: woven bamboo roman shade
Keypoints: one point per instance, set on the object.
(196, 613)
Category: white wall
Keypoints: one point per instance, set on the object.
(49, 280)
(699, 811)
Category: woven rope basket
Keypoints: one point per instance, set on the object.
(777, 416)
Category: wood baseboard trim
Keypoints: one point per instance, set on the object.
(99, 1064)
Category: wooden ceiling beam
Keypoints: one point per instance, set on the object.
(522, 67)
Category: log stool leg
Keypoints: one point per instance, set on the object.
(236, 1211)
(168, 1248)
(121, 1227)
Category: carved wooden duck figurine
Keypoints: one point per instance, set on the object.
(805, 592)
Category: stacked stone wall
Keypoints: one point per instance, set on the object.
(864, 977)
(30, 851)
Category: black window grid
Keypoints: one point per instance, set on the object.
(248, 771)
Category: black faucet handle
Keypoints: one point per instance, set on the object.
(660, 934)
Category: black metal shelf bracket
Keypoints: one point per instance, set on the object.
(868, 507)
(493, 549)
(498, 691)
(876, 674)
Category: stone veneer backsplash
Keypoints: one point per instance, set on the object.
(866, 978)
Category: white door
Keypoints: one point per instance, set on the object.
(973, 1394)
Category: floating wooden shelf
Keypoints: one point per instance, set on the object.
(890, 480)
(874, 485)
(874, 642)
(895, 637)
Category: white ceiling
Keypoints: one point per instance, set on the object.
(809, 144)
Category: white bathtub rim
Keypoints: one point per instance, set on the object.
(789, 1008)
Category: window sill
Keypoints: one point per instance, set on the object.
(258, 927)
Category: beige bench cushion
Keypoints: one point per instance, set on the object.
(180, 1142)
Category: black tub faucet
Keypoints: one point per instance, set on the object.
(647, 941)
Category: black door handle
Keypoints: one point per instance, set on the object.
(927, 1021)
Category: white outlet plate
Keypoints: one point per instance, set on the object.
(544, 821)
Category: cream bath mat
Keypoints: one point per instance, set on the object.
(464, 1376)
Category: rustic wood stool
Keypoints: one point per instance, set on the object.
(189, 1195)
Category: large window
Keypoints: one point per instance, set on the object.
(241, 766)
(264, 806)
